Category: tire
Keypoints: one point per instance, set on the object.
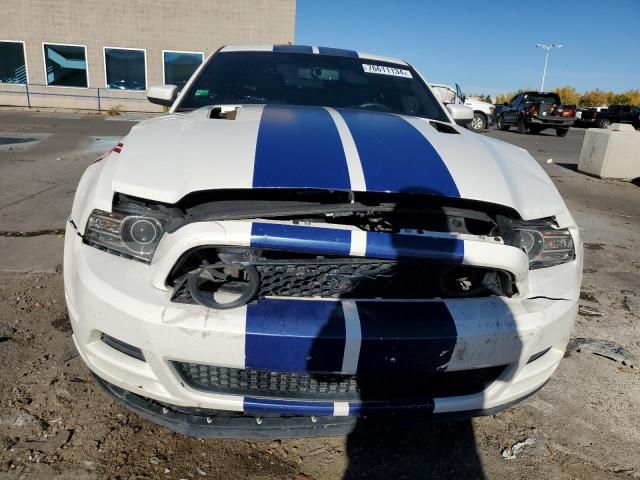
(535, 129)
(500, 125)
(562, 132)
(604, 123)
(522, 126)
(479, 122)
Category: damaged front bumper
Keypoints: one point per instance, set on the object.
(203, 423)
(309, 358)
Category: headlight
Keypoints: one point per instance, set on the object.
(544, 244)
(132, 234)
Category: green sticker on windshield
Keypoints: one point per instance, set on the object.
(202, 93)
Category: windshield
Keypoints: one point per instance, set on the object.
(311, 79)
(544, 98)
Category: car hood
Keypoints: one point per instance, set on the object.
(168, 157)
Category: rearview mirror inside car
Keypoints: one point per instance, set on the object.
(162, 94)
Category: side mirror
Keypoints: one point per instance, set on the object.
(460, 113)
(162, 94)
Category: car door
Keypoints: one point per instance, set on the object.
(625, 114)
(446, 94)
(635, 116)
(511, 110)
(614, 114)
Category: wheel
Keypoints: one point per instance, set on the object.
(522, 126)
(535, 129)
(604, 123)
(562, 132)
(479, 122)
(500, 123)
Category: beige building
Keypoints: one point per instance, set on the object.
(92, 54)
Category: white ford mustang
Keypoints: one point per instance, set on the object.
(308, 240)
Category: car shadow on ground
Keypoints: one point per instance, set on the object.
(439, 450)
(410, 344)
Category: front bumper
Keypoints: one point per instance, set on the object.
(202, 423)
(115, 296)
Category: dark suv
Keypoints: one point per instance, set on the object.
(536, 111)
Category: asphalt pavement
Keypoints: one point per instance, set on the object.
(564, 151)
(42, 157)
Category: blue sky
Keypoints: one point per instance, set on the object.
(488, 46)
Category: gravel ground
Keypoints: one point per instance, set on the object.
(55, 422)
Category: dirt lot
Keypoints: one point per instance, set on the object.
(56, 423)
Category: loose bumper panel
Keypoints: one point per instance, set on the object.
(336, 241)
(204, 423)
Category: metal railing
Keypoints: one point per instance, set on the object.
(96, 96)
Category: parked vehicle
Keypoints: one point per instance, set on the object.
(309, 238)
(498, 108)
(589, 116)
(618, 114)
(483, 112)
(536, 111)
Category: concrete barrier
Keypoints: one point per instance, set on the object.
(611, 153)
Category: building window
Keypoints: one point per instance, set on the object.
(13, 68)
(66, 65)
(179, 66)
(125, 68)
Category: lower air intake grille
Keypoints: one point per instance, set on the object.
(323, 279)
(359, 278)
(334, 387)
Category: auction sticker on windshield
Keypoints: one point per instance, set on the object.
(383, 70)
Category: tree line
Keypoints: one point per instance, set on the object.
(590, 98)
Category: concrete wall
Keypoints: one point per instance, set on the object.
(154, 25)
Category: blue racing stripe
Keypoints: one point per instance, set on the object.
(292, 48)
(395, 156)
(295, 335)
(299, 147)
(405, 337)
(392, 246)
(330, 241)
(286, 407)
(338, 52)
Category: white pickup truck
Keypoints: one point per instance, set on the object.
(483, 111)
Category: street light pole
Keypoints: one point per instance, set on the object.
(546, 48)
